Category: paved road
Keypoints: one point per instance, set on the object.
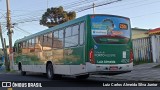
(87, 88)
(40, 77)
(143, 72)
(67, 82)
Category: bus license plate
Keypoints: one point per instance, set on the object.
(113, 68)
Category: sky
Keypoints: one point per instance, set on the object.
(142, 13)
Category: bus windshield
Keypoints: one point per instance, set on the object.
(110, 29)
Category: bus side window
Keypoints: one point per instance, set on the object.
(55, 40)
(47, 42)
(61, 39)
(75, 32)
(32, 42)
(38, 46)
(81, 34)
(71, 36)
(25, 48)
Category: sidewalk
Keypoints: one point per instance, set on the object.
(143, 72)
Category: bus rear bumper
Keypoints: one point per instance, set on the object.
(109, 72)
(109, 69)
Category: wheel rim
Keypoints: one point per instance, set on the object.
(50, 72)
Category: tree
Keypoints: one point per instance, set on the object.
(55, 16)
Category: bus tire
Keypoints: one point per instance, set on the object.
(23, 73)
(82, 76)
(50, 73)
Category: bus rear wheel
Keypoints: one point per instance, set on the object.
(83, 76)
(23, 73)
(50, 73)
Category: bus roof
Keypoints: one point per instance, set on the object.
(52, 28)
(63, 25)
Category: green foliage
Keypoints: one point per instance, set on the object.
(55, 16)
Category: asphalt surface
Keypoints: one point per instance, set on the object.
(15, 76)
(86, 88)
(67, 83)
(143, 72)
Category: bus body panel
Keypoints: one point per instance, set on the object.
(106, 68)
(74, 60)
(110, 39)
(112, 54)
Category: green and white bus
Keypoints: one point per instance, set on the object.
(92, 44)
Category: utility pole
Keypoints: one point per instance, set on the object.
(7, 62)
(1, 38)
(9, 25)
(93, 8)
(4, 50)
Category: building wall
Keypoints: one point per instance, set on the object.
(141, 45)
(139, 33)
(142, 49)
(155, 41)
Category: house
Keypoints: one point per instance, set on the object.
(155, 44)
(139, 33)
(141, 45)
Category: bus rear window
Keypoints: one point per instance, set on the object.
(110, 29)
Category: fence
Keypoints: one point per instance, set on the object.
(142, 49)
(155, 40)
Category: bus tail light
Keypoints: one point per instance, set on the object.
(91, 56)
(131, 56)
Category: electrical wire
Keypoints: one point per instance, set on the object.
(128, 8)
(80, 9)
(37, 18)
(145, 15)
(20, 29)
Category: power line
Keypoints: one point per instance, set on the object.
(23, 30)
(35, 18)
(27, 14)
(128, 8)
(79, 9)
(66, 6)
(80, 3)
(117, 6)
(32, 18)
(145, 15)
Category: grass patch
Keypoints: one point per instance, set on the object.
(137, 62)
(158, 66)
